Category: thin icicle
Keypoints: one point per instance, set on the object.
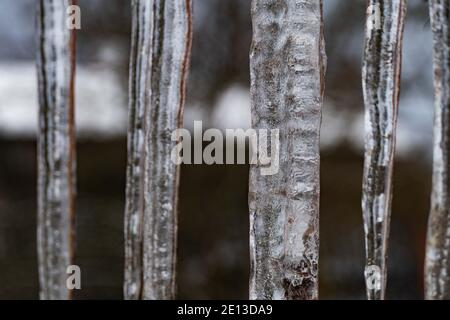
(381, 86)
(437, 262)
(159, 65)
(287, 65)
(56, 148)
(139, 66)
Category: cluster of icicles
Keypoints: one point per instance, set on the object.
(287, 63)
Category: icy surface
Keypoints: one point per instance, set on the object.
(437, 262)
(381, 85)
(287, 65)
(56, 149)
(160, 52)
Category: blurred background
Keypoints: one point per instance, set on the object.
(213, 225)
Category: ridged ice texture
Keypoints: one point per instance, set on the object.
(287, 65)
(161, 43)
(381, 86)
(56, 151)
(437, 262)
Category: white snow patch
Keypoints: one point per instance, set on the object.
(334, 126)
(195, 112)
(101, 102)
(232, 109)
(102, 110)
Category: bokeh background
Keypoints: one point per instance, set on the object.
(213, 227)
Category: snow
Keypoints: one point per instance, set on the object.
(101, 93)
(232, 109)
(101, 111)
(100, 102)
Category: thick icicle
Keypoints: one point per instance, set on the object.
(159, 65)
(287, 65)
(56, 148)
(437, 262)
(381, 86)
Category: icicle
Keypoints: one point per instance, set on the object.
(159, 64)
(437, 263)
(381, 86)
(287, 65)
(139, 60)
(56, 148)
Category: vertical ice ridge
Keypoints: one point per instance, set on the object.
(381, 85)
(437, 262)
(158, 70)
(56, 150)
(287, 65)
(139, 66)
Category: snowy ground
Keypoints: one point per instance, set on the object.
(101, 104)
(102, 110)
